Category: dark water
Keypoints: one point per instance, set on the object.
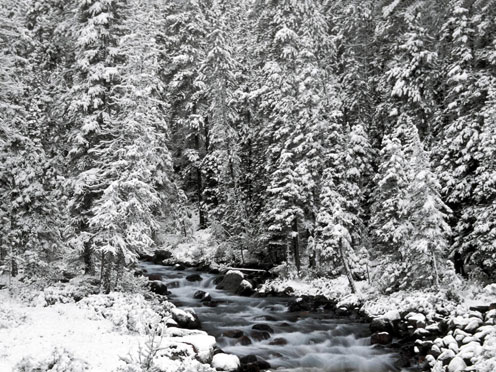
(315, 341)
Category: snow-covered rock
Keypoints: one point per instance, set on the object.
(186, 318)
(245, 288)
(416, 319)
(225, 362)
(457, 364)
(460, 335)
(472, 325)
(491, 314)
(203, 345)
(392, 315)
(449, 339)
(470, 350)
(446, 354)
(490, 289)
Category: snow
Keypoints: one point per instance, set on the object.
(99, 333)
(225, 362)
(331, 288)
(203, 344)
(62, 325)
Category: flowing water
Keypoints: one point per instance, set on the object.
(315, 341)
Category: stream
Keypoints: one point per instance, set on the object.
(309, 342)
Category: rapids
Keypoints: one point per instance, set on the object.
(316, 342)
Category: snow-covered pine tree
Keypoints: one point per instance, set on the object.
(182, 42)
(341, 204)
(409, 220)
(424, 253)
(98, 29)
(464, 161)
(388, 221)
(118, 150)
(29, 214)
(298, 102)
(334, 225)
(217, 74)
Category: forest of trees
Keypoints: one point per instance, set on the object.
(336, 136)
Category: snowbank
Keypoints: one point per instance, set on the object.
(115, 332)
(225, 362)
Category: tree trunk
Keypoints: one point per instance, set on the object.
(199, 188)
(102, 267)
(107, 275)
(89, 265)
(119, 270)
(346, 267)
(436, 272)
(296, 244)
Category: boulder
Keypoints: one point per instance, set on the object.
(186, 319)
(300, 304)
(490, 289)
(202, 343)
(343, 311)
(491, 314)
(252, 363)
(245, 288)
(446, 356)
(457, 364)
(392, 316)
(160, 255)
(252, 367)
(211, 303)
(244, 340)
(260, 335)
(248, 359)
(225, 362)
(233, 333)
(447, 340)
(202, 296)
(263, 364)
(416, 319)
(279, 341)
(231, 281)
(218, 279)
(381, 338)
(470, 350)
(472, 325)
(194, 278)
(263, 327)
(435, 351)
(179, 267)
(154, 277)
(381, 325)
(269, 318)
(158, 287)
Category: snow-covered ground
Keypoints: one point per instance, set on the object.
(100, 333)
